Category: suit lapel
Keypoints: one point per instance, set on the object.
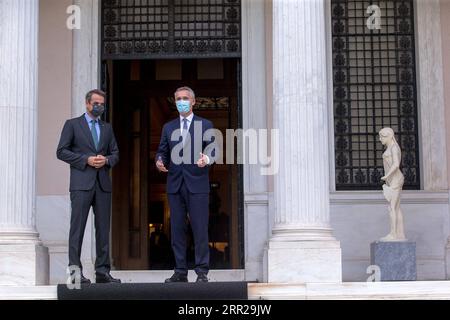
(191, 131)
(177, 125)
(191, 135)
(87, 131)
(174, 126)
(191, 127)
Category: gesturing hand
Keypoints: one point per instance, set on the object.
(202, 162)
(160, 166)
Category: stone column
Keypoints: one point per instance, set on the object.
(23, 259)
(447, 259)
(85, 77)
(302, 247)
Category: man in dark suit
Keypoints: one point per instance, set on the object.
(187, 183)
(89, 146)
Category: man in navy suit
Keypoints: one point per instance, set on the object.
(186, 158)
(88, 145)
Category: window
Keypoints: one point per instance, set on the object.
(374, 86)
(142, 29)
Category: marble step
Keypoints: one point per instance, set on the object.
(146, 276)
(405, 290)
(416, 290)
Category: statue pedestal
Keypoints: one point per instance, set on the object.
(397, 260)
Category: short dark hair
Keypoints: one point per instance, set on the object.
(95, 91)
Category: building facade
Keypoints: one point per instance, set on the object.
(318, 71)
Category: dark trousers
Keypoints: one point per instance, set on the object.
(197, 206)
(81, 204)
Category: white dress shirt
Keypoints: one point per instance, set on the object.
(189, 121)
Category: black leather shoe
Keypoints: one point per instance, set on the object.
(83, 280)
(202, 277)
(177, 277)
(106, 278)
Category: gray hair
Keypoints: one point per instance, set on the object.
(191, 92)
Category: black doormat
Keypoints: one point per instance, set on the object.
(156, 291)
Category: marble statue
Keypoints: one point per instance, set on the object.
(392, 187)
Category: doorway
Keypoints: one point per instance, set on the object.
(140, 99)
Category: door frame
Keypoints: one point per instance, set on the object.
(109, 75)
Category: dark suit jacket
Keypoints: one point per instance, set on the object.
(76, 145)
(196, 179)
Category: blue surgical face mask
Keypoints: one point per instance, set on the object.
(183, 106)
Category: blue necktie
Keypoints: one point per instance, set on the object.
(94, 133)
(185, 129)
